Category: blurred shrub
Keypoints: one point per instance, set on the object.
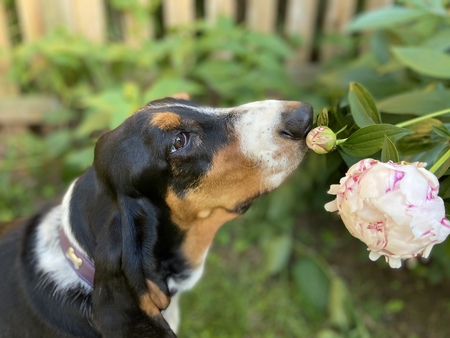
(100, 85)
(404, 74)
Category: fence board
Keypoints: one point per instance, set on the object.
(300, 20)
(57, 13)
(5, 43)
(30, 19)
(26, 110)
(138, 30)
(338, 14)
(374, 4)
(178, 12)
(6, 88)
(90, 19)
(261, 18)
(216, 8)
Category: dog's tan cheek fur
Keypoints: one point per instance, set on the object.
(232, 180)
(153, 302)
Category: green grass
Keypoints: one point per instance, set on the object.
(235, 298)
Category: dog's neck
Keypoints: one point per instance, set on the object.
(51, 260)
(80, 263)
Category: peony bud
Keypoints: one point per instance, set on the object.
(321, 140)
(393, 208)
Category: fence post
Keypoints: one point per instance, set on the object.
(138, 29)
(300, 20)
(6, 88)
(260, 17)
(338, 14)
(30, 19)
(215, 8)
(178, 12)
(90, 19)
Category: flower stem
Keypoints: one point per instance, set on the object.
(440, 162)
(423, 118)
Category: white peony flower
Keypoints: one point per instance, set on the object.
(393, 208)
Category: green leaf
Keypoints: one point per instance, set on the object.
(439, 41)
(312, 282)
(362, 106)
(425, 61)
(170, 85)
(444, 166)
(442, 131)
(389, 151)
(339, 315)
(322, 118)
(389, 17)
(368, 140)
(278, 251)
(58, 142)
(422, 138)
(395, 306)
(444, 188)
(418, 102)
(81, 159)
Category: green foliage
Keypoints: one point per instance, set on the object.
(398, 99)
(99, 85)
(363, 108)
(368, 140)
(389, 151)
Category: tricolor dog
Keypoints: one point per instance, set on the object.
(133, 231)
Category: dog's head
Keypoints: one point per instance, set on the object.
(206, 165)
(176, 172)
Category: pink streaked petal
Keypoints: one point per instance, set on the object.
(414, 186)
(373, 256)
(334, 189)
(427, 250)
(394, 262)
(394, 206)
(445, 222)
(374, 183)
(369, 213)
(396, 177)
(361, 166)
(331, 206)
(430, 177)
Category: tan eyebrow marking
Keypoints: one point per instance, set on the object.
(166, 120)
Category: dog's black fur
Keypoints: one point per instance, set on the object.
(121, 216)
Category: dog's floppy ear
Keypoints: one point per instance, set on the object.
(128, 296)
(129, 286)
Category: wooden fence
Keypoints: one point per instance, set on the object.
(28, 20)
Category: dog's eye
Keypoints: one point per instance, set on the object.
(181, 140)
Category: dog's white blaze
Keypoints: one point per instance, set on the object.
(172, 313)
(258, 129)
(50, 257)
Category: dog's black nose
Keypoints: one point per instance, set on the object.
(298, 122)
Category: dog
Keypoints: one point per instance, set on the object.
(132, 233)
